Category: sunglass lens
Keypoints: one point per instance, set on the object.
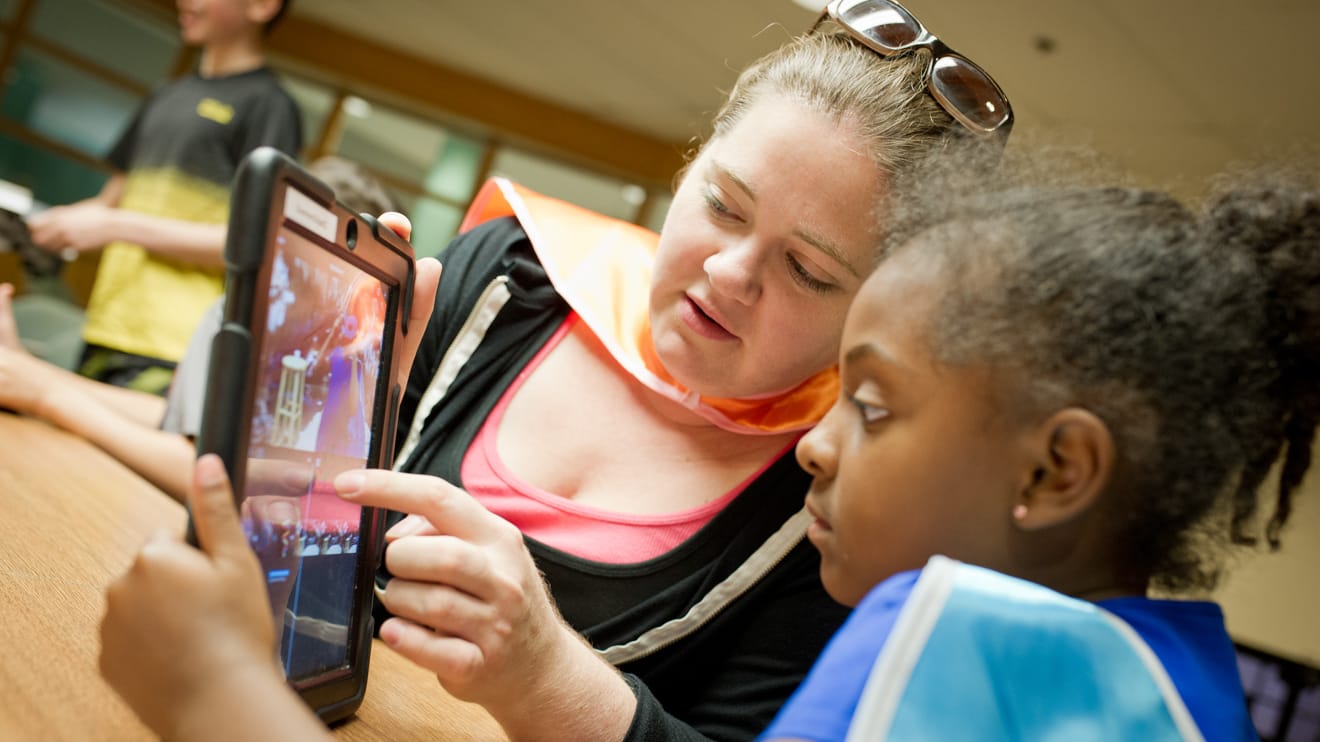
(886, 24)
(970, 90)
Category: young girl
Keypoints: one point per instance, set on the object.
(1083, 389)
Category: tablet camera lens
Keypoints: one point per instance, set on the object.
(350, 234)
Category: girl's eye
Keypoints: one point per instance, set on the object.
(870, 413)
(804, 276)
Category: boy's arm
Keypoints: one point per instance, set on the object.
(90, 225)
(111, 192)
(26, 376)
(141, 408)
(189, 242)
(119, 421)
(164, 459)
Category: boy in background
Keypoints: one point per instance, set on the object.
(161, 218)
(152, 436)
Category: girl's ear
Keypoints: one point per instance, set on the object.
(1074, 456)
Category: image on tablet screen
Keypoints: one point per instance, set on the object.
(319, 361)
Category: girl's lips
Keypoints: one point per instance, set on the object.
(701, 322)
(818, 521)
(818, 533)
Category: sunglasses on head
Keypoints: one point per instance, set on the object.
(962, 88)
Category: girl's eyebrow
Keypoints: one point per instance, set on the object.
(816, 241)
(876, 364)
(869, 353)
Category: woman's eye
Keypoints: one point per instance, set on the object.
(717, 206)
(805, 277)
(870, 413)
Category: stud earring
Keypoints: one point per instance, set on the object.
(1019, 512)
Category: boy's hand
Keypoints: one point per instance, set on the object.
(185, 630)
(81, 226)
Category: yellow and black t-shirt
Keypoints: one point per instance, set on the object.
(179, 155)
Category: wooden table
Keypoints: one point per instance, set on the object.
(71, 520)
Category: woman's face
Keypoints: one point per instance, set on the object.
(912, 460)
(769, 236)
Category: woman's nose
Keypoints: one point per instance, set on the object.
(735, 271)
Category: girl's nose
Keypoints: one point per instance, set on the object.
(817, 451)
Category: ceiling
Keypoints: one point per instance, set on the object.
(1173, 90)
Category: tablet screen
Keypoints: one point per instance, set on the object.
(316, 392)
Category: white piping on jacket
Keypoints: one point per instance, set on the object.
(757, 566)
(469, 338)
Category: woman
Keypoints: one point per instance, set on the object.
(639, 454)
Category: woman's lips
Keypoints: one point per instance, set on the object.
(701, 322)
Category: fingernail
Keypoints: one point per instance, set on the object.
(210, 472)
(297, 478)
(390, 633)
(282, 513)
(161, 536)
(349, 483)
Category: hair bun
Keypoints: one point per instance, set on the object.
(1279, 227)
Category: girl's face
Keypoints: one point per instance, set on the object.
(768, 238)
(911, 461)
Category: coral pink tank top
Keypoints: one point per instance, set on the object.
(587, 532)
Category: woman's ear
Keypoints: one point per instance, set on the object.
(1074, 455)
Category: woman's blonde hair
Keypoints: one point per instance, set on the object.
(883, 100)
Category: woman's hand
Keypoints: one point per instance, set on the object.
(187, 637)
(428, 278)
(470, 605)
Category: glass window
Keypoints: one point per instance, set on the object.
(388, 141)
(314, 103)
(51, 178)
(434, 224)
(66, 104)
(135, 46)
(655, 216)
(453, 176)
(599, 193)
(1282, 696)
(1306, 716)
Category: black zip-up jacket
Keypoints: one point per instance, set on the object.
(713, 636)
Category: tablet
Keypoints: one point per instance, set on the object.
(300, 388)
